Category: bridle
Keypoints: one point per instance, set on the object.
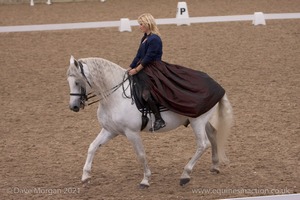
(85, 97)
(82, 95)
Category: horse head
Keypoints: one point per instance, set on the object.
(78, 83)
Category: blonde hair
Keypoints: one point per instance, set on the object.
(148, 20)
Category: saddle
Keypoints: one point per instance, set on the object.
(141, 104)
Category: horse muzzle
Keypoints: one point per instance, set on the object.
(77, 100)
(75, 108)
(77, 105)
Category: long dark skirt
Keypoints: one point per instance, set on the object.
(182, 90)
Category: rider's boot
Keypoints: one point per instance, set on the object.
(159, 122)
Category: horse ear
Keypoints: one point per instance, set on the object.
(73, 61)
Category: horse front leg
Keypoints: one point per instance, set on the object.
(138, 146)
(103, 137)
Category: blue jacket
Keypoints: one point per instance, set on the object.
(149, 51)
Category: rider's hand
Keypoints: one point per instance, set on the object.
(132, 72)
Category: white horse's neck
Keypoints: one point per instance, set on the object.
(103, 75)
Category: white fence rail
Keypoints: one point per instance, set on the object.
(85, 25)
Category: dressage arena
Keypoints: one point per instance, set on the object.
(43, 144)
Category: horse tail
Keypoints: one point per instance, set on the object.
(222, 122)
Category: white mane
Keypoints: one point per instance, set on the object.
(104, 74)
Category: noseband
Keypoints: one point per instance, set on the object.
(82, 95)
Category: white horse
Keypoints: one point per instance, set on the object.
(117, 115)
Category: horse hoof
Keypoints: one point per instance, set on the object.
(143, 186)
(184, 181)
(86, 182)
(214, 170)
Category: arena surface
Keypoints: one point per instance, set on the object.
(43, 144)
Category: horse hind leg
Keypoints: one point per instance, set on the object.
(211, 134)
(202, 145)
(199, 127)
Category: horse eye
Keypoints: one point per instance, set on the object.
(76, 83)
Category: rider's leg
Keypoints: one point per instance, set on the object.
(159, 122)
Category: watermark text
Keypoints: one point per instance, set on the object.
(248, 191)
(42, 190)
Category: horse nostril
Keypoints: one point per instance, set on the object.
(75, 108)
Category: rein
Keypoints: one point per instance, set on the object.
(112, 90)
(85, 97)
